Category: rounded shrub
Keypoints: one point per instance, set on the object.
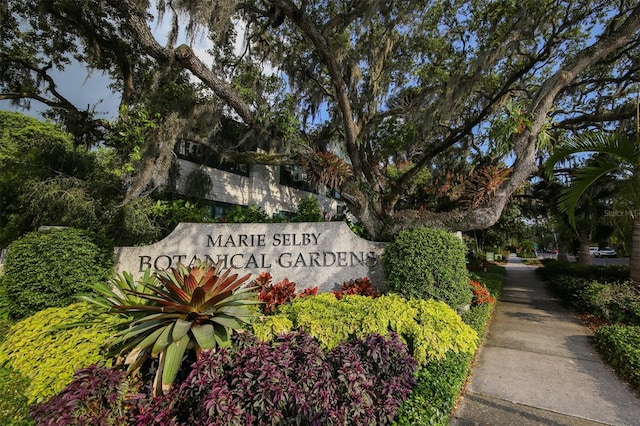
(51, 268)
(49, 346)
(428, 263)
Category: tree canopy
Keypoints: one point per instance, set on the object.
(436, 110)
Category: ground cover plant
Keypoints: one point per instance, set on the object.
(620, 346)
(14, 405)
(430, 328)
(427, 396)
(291, 379)
(49, 346)
(610, 305)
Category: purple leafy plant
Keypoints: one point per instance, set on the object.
(96, 397)
(290, 380)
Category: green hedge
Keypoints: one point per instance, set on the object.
(440, 382)
(47, 269)
(434, 397)
(428, 263)
(599, 290)
(602, 273)
(620, 346)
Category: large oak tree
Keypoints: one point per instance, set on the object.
(425, 100)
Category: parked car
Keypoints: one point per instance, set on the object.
(593, 251)
(606, 252)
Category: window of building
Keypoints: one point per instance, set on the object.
(200, 154)
(294, 177)
(218, 209)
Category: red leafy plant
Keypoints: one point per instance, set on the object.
(359, 286)
(480, 294)
(273, 295)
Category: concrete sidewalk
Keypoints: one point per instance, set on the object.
(537, 366)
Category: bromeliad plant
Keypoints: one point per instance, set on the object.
(122, 290)
(194, 307)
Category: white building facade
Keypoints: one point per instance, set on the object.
(275, 189)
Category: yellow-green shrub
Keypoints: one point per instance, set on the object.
(430, 328)
(47, 349)
(267, 327)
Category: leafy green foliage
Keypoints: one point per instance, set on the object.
(602, 290)
(617, 153)
(51, 268)
(167, 214)
(308, 210)
(439, 384)
(46, 180)
(601, 273)
(440, 381)
(14, 407)
(268, 327)
(251, 214)
(428, 263)
(122, 289)
(49, 346)
(430, 328)
(127, 135)
(620, 346)
(197, 306)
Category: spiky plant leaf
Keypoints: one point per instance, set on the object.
(226, 322)
(150, 339)
(584, 178)
(180, 329)
(616, 153)
(136, 329)
(190, 284)
(204, 335)
(172, 362)
(198, 297)
(162, 341)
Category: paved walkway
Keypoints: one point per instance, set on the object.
(538, 367)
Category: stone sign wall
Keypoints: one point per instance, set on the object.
(324, 254)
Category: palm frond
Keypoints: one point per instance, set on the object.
(584, 178)
(616, 145)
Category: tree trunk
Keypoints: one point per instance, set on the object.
(584, 238)
(563, 251)
(634, 260)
